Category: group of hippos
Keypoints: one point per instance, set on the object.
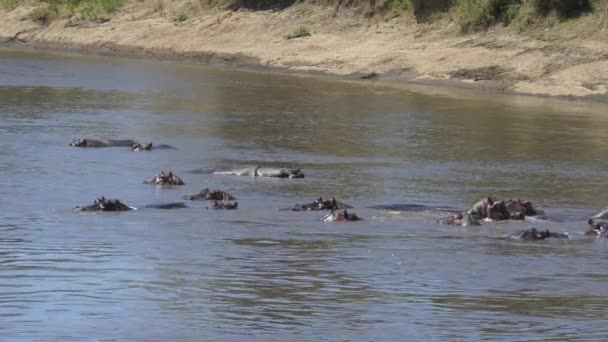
(487, 209)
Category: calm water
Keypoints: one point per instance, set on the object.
(262, 274)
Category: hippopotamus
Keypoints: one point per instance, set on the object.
(340, 215)
(534, 235)
(149, 147)
(603, 215)
(165, 179)
(211, 195)
(102, 143)
(519, 208)
(223, 205)
(462, 219)
(597, 228)
(488, 208)
(171, 205)
(320, 204)
(103, 204)
(257, 171)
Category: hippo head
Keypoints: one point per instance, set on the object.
(462, 219)
(294, 173)
(79, 142)
(103, 204)
(224, 205)
(141, 147)
(498, 211)
(519, 208)
(533, 234)
(599, 229)
(322, 204)
(341, 215)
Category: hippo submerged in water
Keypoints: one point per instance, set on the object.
(132, 144)
(103, 204)
(489, 209)
(257, 171)
(149, 147)
(210, 195)
(223, 205)
(320, 204)
(597, 228)
(165, 179)
(340, 216)
(461, 219)
(535, 235)
(102, 143)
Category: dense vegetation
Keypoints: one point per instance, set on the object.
(472, 15)
(47, 10)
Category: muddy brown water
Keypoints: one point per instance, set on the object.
(257, 273)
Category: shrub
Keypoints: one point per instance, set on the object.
(44, 13)
(479, 14)
(299, 33)
(8, 4)
(563, 8)
(394, 8)
(424, 8)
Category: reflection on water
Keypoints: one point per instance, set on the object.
(263, 274)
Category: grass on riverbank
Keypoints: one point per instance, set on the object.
(475, 15)
(471, 15)
(47, 10)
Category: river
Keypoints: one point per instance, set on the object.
(260, 274)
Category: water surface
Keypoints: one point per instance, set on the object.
(262, 274)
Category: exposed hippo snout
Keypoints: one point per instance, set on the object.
(297, 173)
(320, 204)
(217, 205)
(103, 204)
(535, 235)
(599, 228)
(210, 195)
(462, 219)
(165, 179)
(341, 216)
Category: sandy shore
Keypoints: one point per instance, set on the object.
(564, 61)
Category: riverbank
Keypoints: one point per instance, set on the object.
(568, 59)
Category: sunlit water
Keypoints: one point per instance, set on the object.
(257, 273)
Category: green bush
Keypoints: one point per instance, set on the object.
(393, 8)
(563, 8)
(44, 13)
(299, 32)
(8, 4)
(90, 10)
(426, 7)
(480, 14)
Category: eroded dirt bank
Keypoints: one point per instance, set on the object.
(560, 61)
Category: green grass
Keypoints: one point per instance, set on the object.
(475, 15)
(181, 18)
(421, 9)
(43, 13)
(471, 15)
(48, 10)
(299, 32)
(563, 8)
(8, 4)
